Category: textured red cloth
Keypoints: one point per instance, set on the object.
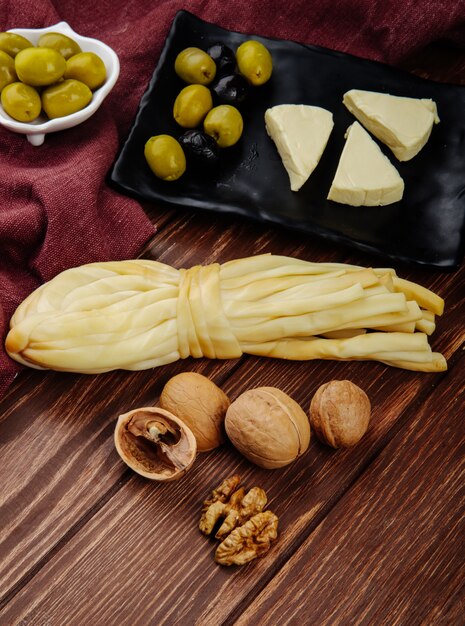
(55, 208)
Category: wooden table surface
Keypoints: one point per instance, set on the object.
(369, 535)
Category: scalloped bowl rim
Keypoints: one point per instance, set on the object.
(37, 130)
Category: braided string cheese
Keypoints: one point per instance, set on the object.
(141, 314)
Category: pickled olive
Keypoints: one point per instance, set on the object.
(21, 102)
(165, 157)
(224, 123)
(11, 43)
(65, 98)
(231, 89)
(192, 105)
(224, 57)
(88, 68)
(7, 70)
(194, 65)
(63, 44)
(201, 150)
(254, 62)
(39, 66)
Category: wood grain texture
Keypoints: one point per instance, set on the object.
(69, 417)
(146, 527)
(391, 551)
(85, 540)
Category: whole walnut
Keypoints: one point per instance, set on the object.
(268, 427)
(200, 404)
(340, 413)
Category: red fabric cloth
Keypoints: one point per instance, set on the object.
(55, 208)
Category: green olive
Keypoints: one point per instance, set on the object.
(192, 105)
(165, 157)
(11, 43)
(39, 66)
(88, 68)
(63, 44)
(195, 66)
(224, 123)
(21, 102)
(65, 98)
(254, 62)
(7, 70)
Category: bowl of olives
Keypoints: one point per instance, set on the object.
(52, 79)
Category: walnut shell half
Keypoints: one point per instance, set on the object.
(268, 427)
(155, 443)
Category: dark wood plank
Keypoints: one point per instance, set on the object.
(69, 418)
(392, 549)
(145, 536)
(57, 458)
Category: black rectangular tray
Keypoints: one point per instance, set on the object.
(427, 227)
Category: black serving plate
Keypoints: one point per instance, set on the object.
(427, 227)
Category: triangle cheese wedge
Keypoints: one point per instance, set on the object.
(364, 176)
(300, 133)
(403, 124)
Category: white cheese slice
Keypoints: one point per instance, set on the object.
(300, 133)
(364, 176)
(403, 124)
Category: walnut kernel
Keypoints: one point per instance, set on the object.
(240, 507)
(246, 531)
(249, 541)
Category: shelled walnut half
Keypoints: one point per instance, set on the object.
(241, 507)
(155, 443)
(249, 541)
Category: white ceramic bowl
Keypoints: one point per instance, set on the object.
(36, 130)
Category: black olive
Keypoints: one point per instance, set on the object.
(231, 89)
(200, 149)
(224, 58)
